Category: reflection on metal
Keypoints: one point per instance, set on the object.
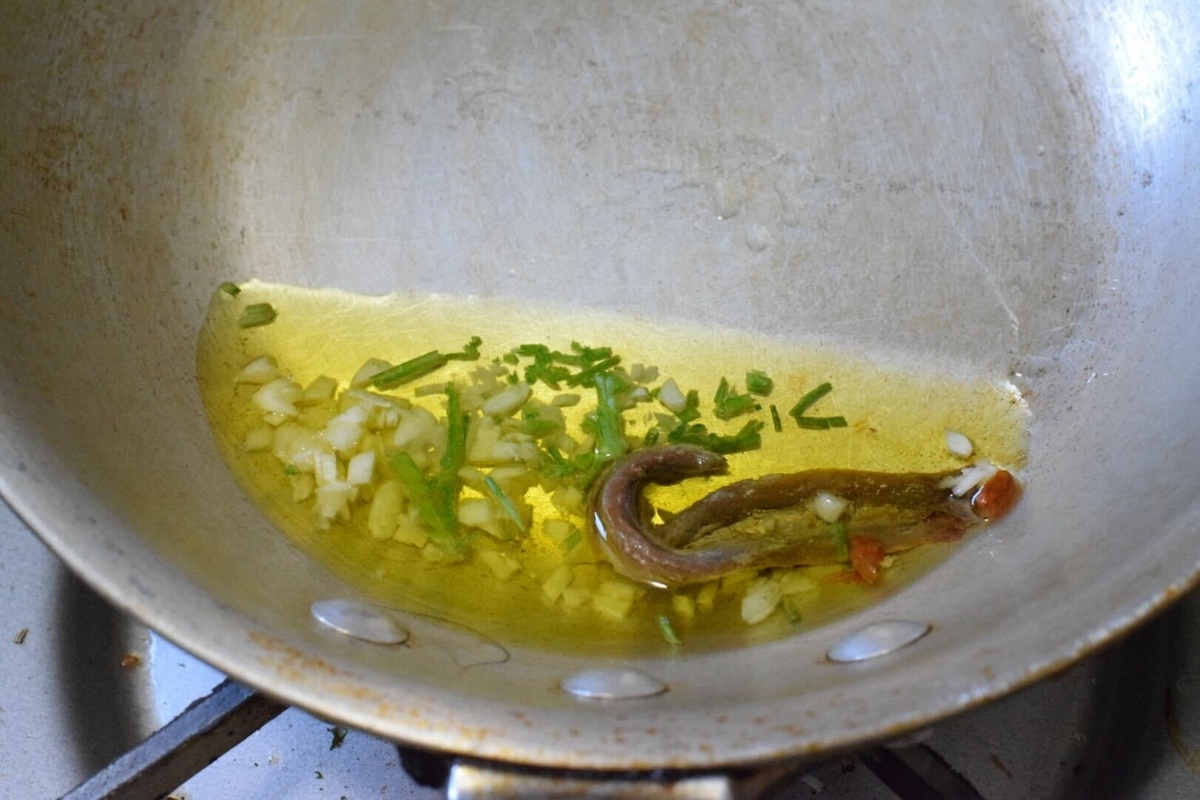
(359, 620)
(199, 736)
(612, 684)
(469, 781)
(877, 639)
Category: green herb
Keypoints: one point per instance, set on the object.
(691, 408)
(424, 364)
(446, 483)
(586, 375)
(441, 523)
(291, 470)
(570, 543)
(505, 503)
(727, 403)
(668, 631)
(339, 736)
(470, 351)
(815, 423)
(231, 289)
(789, 610)
(759, 383)
(610, 443)
(810, 399)
(257, 314)
(320, 777)
(841, 539)
(409, 370)
(511, 358)
(651, 437)
(821, 423)
(775, 420)
(748, 438)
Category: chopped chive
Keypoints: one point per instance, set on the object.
(821, 423)
(409, 370)
(257, 314)
(442, 524)
(775, 420)
(651, 437)
(586, 375)
(727, 403)
(610, 443)
(291, 469)
(505, 503)
(668, 631)
(231, 289)
(339, 736)
(840, 538)
(789, 610)
(511, 358)
(810, 399)
(572, 540)
(759, 383)
(470, 351)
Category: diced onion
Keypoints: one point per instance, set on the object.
(971, 477)
(502, 566)
(761, 600)
(508, 400)
(320, 390)
(360, 469)
(829, 507)
(278, 396)
(559, 580)
(415, 426)
(671, 396)
(959, 444)
(258, 440)
(370, 368)
(475, 512)
(259, 371)
(385, 510)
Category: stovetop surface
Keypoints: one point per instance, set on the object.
(82, 683)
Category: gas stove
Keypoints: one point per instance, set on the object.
(83, 684)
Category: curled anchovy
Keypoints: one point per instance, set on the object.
(767, 521)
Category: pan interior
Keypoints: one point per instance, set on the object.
(1003, 186)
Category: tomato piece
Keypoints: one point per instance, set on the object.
(997, 496)
(866, 556)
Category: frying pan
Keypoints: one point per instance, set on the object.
(1008, 186)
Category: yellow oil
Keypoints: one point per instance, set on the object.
(897, 419)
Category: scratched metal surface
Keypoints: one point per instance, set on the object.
(1006, 185)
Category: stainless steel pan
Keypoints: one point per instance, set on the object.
(1010, 185)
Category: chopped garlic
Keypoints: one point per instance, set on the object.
(502, 566)
(671, 396)
(828, 507)
(558, 581)
(258, 440)
(385, 510)
(507, 400)
(761, 600)
(370, 368)
(278, 396)
(958, 444)
(259, 371)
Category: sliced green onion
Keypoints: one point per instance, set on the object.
(570, 543)
(409, 370)
(231, 289)
(291, 469)
(442, 526)
(775, 420)
(759, 383)
(789, 610)
(810, 399)
(727, 403)
(505, 503)
(583, 376)
(821, 423)
(840, 538)
(651, 437)
(668, 631)
(257, 314)
(610, 443)
(470, 351)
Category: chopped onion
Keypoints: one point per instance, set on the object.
(958, 444)
(508, 400)
(971, 477)
(415, 426)
(502, 566)
(278, 396)
(325, 467)
(258, 440)
(370, 368)
(385, 510)
(259, 371)
(761, 600)
(476, 512)
(559, 580)
(360, 469)
(829, 507)
(321, 390)
(671, 396)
